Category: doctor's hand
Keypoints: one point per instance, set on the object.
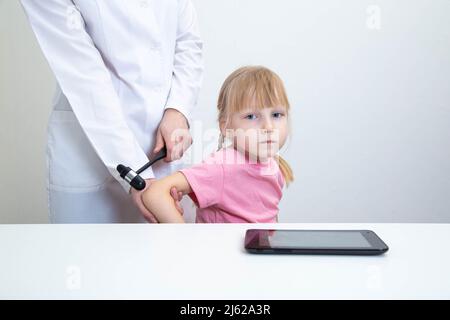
(137, 199)
(173, 132)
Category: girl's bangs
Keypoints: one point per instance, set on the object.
(257, 91)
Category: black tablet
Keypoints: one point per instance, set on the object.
(340, 242)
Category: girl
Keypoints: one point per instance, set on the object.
(242, 182)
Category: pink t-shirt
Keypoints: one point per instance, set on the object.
(228, 187)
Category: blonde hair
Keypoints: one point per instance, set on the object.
(253, 84)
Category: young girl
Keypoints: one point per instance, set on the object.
(242, 182)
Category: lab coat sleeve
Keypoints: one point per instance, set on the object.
(187, 74)
(86, 82)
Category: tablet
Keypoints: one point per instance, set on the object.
(334, 242)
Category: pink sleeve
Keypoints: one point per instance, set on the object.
(206, 181)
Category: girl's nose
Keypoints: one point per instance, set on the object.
(267, 125)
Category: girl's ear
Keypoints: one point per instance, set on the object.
(222, 128)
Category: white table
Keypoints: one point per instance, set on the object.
(208, 262)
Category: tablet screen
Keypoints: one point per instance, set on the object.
(317, 239)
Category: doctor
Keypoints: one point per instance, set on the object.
(128, 75)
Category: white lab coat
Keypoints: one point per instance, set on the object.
(118, 64)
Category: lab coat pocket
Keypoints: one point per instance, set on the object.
(73, 164)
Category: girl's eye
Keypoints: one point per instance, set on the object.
(278, 114)
(250, 117)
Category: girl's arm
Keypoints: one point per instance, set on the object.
(157, 198)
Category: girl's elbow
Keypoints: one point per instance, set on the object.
(157, 199)
(151, 194)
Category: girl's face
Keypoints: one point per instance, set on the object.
(260, 133)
